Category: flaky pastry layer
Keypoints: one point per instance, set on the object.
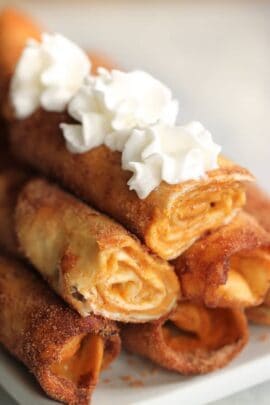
(91, 261)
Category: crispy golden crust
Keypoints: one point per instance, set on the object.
(97, 177)
(258, 205)
(90, 260)
(229, 267)
(35, 326)
(192, 340)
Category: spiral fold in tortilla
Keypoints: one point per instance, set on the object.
(229, 267)
(91, 261)
(64, 351)
(191, 340)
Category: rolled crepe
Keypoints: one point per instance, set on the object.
(168, 221)
(64, 351)
(192, 340)
(92, 262)
(258, 204)
(229, 267)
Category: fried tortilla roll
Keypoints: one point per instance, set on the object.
(91, 261)
(258, 205)
(229, 267)
(192, 340)
(169, 220)
(64, 351)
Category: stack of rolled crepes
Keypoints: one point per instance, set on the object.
(177, 270)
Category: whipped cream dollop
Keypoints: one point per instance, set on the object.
(171, 154)
(129, 112)
(47, 75)
(111, 104)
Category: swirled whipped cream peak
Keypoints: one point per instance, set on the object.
(47, 75)
(129, 112)
(172, 154)
(111, 104)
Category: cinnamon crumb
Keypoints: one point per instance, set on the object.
(132, 382)
(106, 381)
(136, 384)
(263, 337)
(126, 378)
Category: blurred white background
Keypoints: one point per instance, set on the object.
(213, 54)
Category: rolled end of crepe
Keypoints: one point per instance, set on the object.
(64, 351)
(229, 267)
(192, 340)
(92, 262)
(196, 207)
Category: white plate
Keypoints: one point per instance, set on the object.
(122, 382)
(215, 57)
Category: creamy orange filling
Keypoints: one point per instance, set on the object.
(248, 279)
(81, 357)
(193, 326)
(130, 285)
(188, 218)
